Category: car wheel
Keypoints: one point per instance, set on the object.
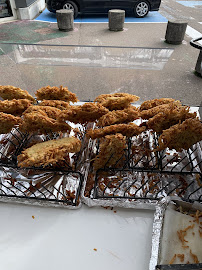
(71, 6)
(141, 9)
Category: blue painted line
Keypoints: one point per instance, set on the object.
(190, 3)
(154, 16)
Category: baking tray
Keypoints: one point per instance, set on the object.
(50, 186)
(180, 237)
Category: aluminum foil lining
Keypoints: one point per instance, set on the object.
(47, 187)
(42, 186)
(178, 174)
(180, 237)
(157, 230)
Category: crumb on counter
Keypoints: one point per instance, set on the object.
(181, 257)
(173, 259)
(95, 249)
(195, 258)
(33, 217)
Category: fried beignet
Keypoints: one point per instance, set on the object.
(111, 152)
(11, 92)
(14, 106)
(168, 118)
(116, 101)
(38, 121)
(120, 116)
(148, 104)
(88, 112)
(7, 122)
(49, 152)
(55, 93)
(50, 111)
(146, 114)
(181, 136)
(128, 130)
(59, 104)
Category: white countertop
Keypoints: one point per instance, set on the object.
(35, 237)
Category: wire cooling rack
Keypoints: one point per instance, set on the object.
(59, 184)
(143, 173)
(180, 267)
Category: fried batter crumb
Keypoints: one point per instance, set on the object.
(195, 258)
(183, 233)
(173, 259)
(181, 257)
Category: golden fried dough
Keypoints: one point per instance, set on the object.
(128, 130)
(146, 114)
(120, 116)
(7, 122)
(59, 104)
(181, 136)
(111, 152)
(116, 101)
(10, 92)
(148, 104)
(169, 117)
(87, 112)
(49, 152)
(50, 111)
(55, 93)
(14, 106)
(38, 121)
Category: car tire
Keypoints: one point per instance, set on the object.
(141, 9)
(71, 6)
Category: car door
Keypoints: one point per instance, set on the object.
(123, 4)
(96, 6)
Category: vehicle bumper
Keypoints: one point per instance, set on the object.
(155, 5)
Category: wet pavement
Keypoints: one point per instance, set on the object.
(175, 78)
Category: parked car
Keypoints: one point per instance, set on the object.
(139, 8)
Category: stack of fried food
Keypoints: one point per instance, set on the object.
(113, 115)
(19, 110)
(178, 128)
(15, 102)
(114, 127)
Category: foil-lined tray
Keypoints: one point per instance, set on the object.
(42, 187)
(178, 238)
(51, 186)
(146, 177)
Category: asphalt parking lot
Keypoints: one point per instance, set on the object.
(156, 71)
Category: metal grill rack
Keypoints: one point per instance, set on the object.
(149, 175)
(180, 267)
(59, 185)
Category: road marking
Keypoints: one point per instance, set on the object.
(152, 17)
(191, 32)
(190, 3)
